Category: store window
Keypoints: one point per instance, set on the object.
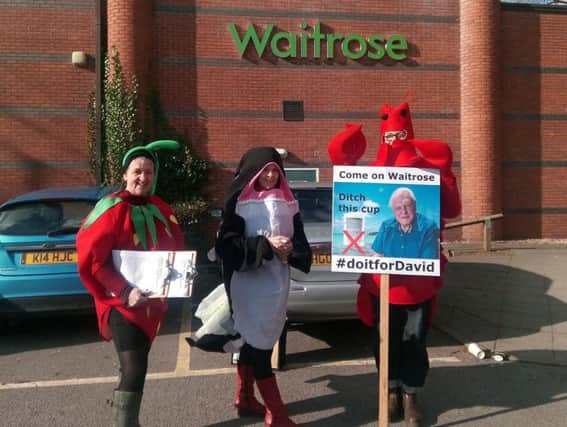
(302, 174)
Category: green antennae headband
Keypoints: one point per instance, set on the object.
(151, 148)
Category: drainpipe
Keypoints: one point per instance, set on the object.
(101, 50)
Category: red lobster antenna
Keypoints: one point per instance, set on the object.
(409, 97)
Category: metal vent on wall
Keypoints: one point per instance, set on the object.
(293, 111)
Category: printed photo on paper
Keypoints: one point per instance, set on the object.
(159, 273)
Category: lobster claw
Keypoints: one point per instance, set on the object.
(348, 146)
(437, 153)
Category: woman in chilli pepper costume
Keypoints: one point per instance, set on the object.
(133, 218)
(412, 298)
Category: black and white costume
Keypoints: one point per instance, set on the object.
(257, 281)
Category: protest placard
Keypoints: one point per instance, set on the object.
(386, 220)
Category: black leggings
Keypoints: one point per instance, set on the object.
(133, 348)
(260, 360)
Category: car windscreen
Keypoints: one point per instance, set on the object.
(314, 204)
(44, 217)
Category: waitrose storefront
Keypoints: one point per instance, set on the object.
(490, 79)
(311, 43)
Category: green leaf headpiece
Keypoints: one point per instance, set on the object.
(150, 151)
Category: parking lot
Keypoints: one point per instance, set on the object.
(53, 368)
(57, 372)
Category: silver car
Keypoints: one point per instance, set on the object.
(321, 294)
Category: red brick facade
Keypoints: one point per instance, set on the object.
(480, 111)
(488, 79)
(130, 30)
(43, 98)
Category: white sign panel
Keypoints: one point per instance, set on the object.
(386, 220)
(160, 273)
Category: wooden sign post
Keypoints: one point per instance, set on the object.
(384, 337)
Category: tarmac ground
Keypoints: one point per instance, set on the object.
(511, 300)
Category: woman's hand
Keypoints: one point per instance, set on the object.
(281, 245)
(136, 298)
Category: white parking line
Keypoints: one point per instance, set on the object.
(186, 372)
(183, 350)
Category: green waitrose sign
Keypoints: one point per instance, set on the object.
(353, 46)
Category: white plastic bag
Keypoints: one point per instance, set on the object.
(217, 332)
(214, 312)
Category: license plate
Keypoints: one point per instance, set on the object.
(321, 259)
(49, 257)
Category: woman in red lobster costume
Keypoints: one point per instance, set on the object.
(412, 298)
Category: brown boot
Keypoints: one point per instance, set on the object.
(394, 405)
(412, 414)
(244, 400)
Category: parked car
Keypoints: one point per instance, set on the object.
(321, 294)
(38, 257)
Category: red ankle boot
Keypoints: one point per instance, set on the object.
(276, 412)
(244, 400)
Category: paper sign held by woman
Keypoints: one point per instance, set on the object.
(159, 273)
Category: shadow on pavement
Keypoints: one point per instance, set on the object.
(500, 388)
(326, 342)
(479, 394)
(340, 340)
(490, 297)
(30, 332)
(57, 330)
(498, 304)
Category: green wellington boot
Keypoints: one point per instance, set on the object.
(125, 408)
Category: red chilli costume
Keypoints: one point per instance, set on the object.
(123, 221)
(399, 148)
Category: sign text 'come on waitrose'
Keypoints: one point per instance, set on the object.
(353, 46)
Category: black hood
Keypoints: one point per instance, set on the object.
(250, 164)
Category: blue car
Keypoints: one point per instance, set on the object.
(38, 257)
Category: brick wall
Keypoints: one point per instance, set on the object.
(534, 122)
(130, 30)
(43, 129)
(479, 112)
(238, 101)
(227, 104)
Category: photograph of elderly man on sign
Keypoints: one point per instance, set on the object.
(409, 234)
